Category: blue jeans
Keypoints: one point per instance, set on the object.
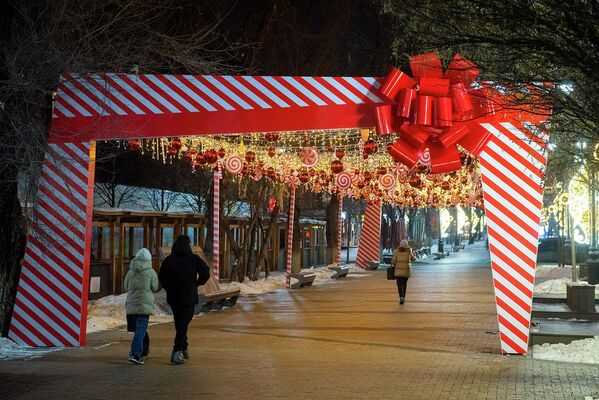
(141, 328)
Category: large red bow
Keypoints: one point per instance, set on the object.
(434, 110)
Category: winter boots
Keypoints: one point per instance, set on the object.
(177, 358)
(136, 360)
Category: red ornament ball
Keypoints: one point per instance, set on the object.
(134, 144)
(336, 166)
(201, 158)
(340, 153)
(221, 153)
(211, 156)
(250, 156)
(370, 147)
(304, 176)
(271, 151)
(176, 144)
(271, 137)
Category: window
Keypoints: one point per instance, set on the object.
(167, 233)
(134, 240)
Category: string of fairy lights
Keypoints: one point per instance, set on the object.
(353, 162)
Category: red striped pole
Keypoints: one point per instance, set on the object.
(289, 247)
(216, 177)
(51, 302)
(512, 169)
(369, 246)
(339, 229)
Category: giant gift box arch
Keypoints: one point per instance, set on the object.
(432, 120)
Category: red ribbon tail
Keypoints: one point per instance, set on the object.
(444, 160)
(403, 153)
(476, 140)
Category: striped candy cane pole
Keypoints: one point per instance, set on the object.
(51, 304)
(216, 177)
(512, 169)
(289, 247)
(339, 228)
(370, 235)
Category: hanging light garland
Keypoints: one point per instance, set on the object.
(351, 162)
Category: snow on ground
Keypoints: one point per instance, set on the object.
(553, 280)
(276, 280)
(557, 286)
(552, 271)
(578, 351)
(109, 312)
(9, 350)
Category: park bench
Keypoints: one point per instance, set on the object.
(438, 256)
(421, 252)
(459, 247)
(371, 266)
(212, 297)
(340, 271)
(304, 279)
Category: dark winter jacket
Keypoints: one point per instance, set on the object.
(181, 275)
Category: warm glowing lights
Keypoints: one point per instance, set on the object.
(314, 159)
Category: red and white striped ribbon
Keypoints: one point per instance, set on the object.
(512, 169)
(289, 246)
(110, 94)
(339, 228)
(51, 301)
(216, 177)
(370, 235)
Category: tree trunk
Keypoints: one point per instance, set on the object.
(333, 229)
(12, 249)
(296, 252)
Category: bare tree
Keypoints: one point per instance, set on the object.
(40, 39)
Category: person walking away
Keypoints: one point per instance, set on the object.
(402, 258)
(180, 274)
(141, 282)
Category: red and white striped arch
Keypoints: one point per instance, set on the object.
(52, 294)
(512, 169)
(369, 245)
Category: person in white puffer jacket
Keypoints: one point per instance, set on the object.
(141, 282)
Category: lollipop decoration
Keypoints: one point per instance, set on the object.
(343, 180)
(387, 181)
(234, 164)
(309, 156)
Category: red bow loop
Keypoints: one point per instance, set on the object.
(431, 110)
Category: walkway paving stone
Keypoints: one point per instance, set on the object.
(347, 340)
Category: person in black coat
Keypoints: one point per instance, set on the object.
(180, 274)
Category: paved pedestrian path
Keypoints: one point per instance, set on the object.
(347, 340)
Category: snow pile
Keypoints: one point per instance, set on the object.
(9, 350)
(579, 351)
(557, 286)
(276, 280)
(553, 271)
(109, 312)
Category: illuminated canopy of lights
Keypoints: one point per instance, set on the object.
(352, 162)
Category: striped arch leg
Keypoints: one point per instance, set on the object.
(216, 177)
(369, 246)
(512, 169)
(51, 302)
